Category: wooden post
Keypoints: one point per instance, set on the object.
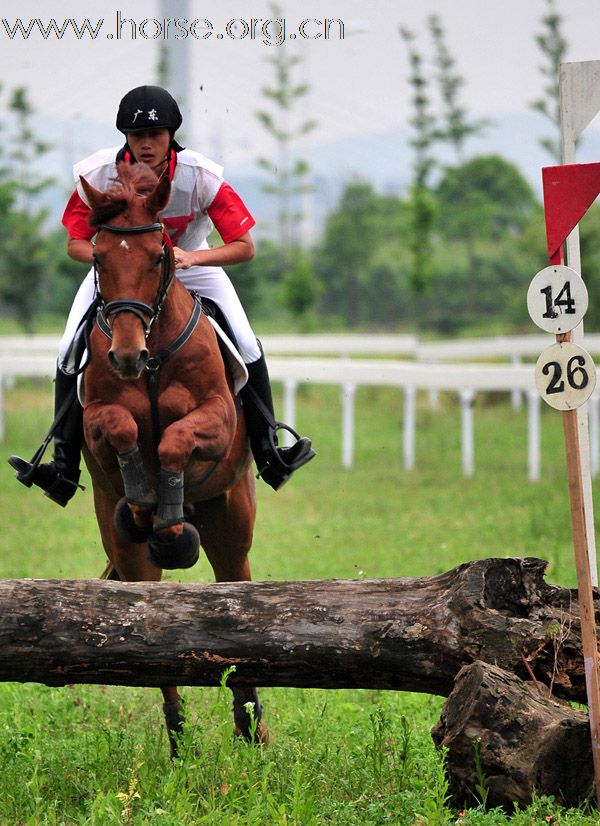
(589, 642)
(579, 85)
(533, 436)
(579, 103)
(572, 377)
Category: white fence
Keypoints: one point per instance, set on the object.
(35, 356)
(465, 380)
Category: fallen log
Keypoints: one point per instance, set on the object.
(410, 634)
(507, 740)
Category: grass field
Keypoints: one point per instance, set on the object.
(98, 755)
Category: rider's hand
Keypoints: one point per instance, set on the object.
(183, 259)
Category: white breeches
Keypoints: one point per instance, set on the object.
(210, 282)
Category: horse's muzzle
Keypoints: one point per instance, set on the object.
(128, 365)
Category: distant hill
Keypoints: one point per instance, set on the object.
(383, 158)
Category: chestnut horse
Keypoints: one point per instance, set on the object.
(161, 424)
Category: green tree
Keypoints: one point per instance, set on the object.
(423, 120)
(288, 172)
(482, 268)
(589, 233)
(456, 126)
(486, 197)
(25, 149)
(7, 189)
(300, 291)
(62, 275)
(23, 262)
(422, 202)
(352, 255)
(553, 47)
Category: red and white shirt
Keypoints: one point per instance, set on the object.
(200, 198)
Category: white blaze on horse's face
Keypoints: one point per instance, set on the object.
(130, 269)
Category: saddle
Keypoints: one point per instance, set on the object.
(227, 344)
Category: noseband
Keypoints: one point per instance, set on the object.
(146, 314)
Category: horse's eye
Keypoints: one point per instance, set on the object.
(159, 259)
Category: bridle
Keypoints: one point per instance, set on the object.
(147, 314)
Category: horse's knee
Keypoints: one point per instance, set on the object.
(203, 431)
(112, 424)
(175, 448)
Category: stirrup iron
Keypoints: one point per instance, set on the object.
(277, 469)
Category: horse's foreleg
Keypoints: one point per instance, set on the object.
(138, 489)
(111, 433)
(109, 429)
(133, 514)
(205, 432)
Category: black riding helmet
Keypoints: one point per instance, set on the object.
(148, 107)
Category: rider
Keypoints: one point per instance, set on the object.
(148, 116)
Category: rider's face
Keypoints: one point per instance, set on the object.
(150, 146)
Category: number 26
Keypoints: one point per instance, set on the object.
(577, 377)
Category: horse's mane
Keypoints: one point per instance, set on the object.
(131, 181)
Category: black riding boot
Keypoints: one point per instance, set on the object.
(59, 479)
(275, 464)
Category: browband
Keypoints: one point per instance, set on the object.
(132, 230)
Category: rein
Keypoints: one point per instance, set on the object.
(154, 364)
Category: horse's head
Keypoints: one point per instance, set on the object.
(132, 264)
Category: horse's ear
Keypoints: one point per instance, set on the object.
(94, 196)
(158, 200)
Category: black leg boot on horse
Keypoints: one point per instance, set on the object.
(59, 478)
(275, 464)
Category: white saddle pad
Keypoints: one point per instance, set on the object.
(239, 371)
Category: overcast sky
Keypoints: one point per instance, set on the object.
(358, 84)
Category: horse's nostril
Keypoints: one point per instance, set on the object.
(143, 358)
(112, 358)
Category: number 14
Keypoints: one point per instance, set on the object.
(563, 299)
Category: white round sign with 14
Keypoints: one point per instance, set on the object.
(557, 299)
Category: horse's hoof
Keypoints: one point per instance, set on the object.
(126, 527)
(247, 717)
(181, 551)
(255, 737)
